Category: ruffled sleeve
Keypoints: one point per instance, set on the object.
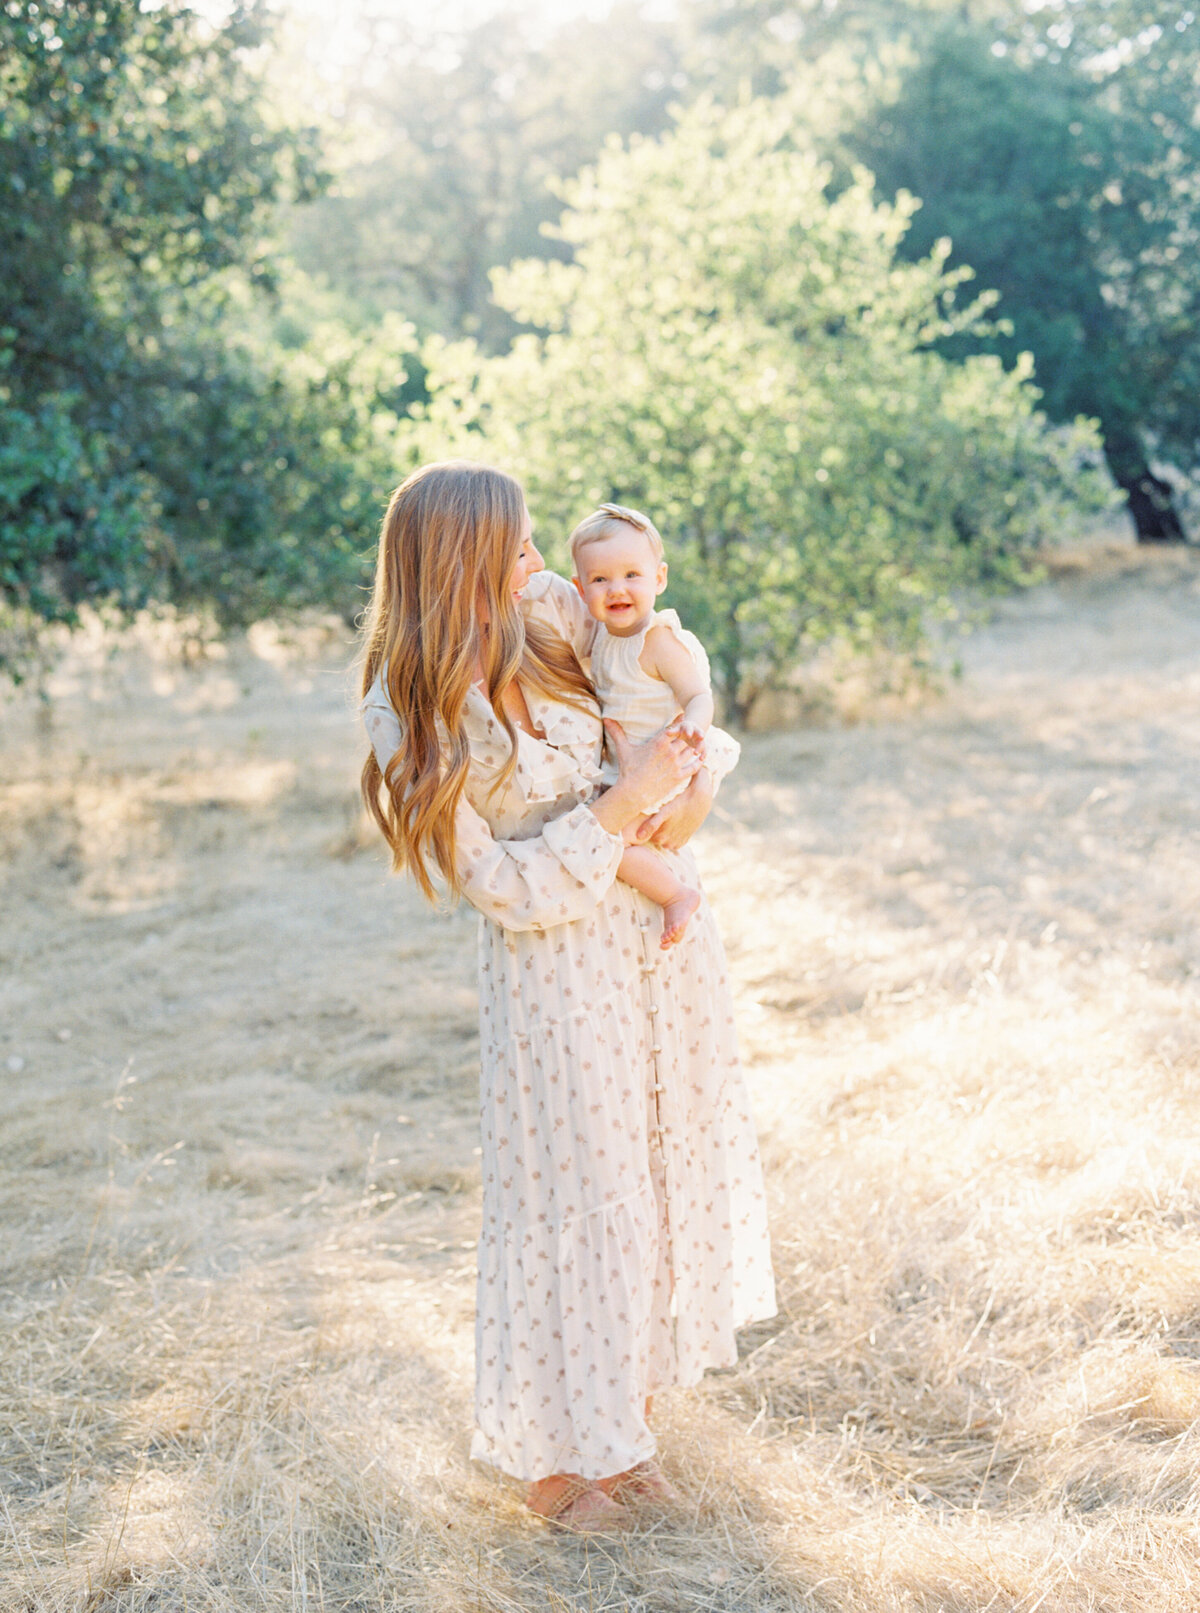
(670, 620)
(555, 600)
(552, 878)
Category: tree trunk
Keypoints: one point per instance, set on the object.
(1150, 500)
(736, 706)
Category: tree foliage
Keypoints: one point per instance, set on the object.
(1068, 179)
(752, 362)
(1058, 147)
(155, 445)
(729, 326)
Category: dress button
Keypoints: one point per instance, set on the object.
(656, 1049)
(653, 1008)
(658, 1089)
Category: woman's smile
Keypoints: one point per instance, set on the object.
(528, 561)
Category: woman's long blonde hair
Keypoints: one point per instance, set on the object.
(449, 542)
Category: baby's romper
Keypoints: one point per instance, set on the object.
(640, 703)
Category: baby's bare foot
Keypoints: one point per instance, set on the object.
(676, 915)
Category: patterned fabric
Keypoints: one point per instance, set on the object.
(624, 1222)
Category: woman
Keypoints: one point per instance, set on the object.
(624, 1225)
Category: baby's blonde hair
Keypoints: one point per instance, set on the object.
(603, 523)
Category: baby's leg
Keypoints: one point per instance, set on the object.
(646, 871)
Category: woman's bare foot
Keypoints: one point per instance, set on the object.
(579, 1505)
(676, 915)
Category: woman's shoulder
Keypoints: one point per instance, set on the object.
(547, 591)
(543, 583)
(376, 695)
(555, 601)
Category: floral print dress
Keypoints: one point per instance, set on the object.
(624, 1230)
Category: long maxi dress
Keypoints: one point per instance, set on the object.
(624, 1233)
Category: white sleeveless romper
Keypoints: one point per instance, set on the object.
(640, 703)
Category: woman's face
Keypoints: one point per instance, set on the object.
(528, 561)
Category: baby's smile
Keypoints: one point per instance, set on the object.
(620, 578)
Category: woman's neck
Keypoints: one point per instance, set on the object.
(512, 702)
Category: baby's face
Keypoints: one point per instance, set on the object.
(620, 578)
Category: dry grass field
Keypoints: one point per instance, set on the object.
(240, 1174)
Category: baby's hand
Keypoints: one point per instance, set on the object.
(692, 732)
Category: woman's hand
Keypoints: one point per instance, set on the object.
(655, 768)
(676, 823)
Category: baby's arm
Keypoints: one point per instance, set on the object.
(668, 659)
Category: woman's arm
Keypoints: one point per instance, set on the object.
(674, 825)
(560, 874)
(551, 878)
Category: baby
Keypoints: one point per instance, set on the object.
(647, 671)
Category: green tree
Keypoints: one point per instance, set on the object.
(271, 453)
(751, 362)
(145, 442)
(1058, 148)
(1068, 182)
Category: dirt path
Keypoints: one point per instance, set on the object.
(240, 1170)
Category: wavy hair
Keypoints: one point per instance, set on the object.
(447, 548)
